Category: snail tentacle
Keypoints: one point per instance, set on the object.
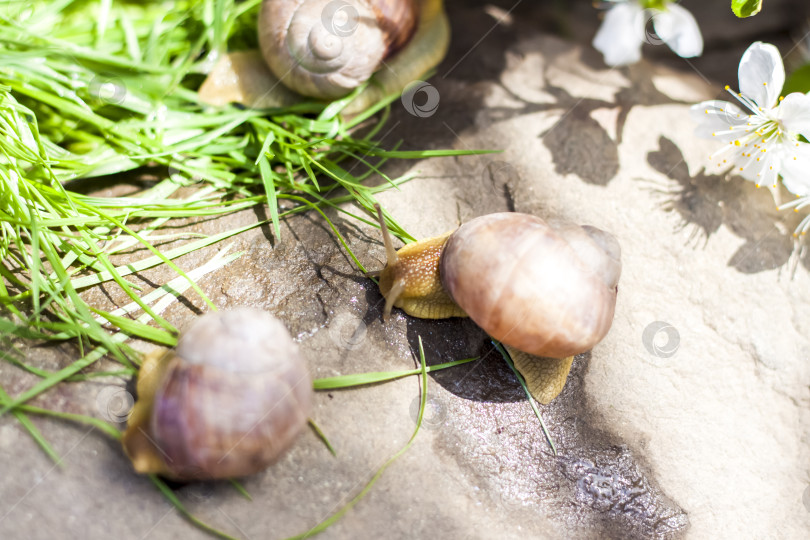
(390, 252)
(410, 279)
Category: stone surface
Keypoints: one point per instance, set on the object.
(690, 420)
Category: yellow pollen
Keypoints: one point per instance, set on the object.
(737, 143)
(764, 149)
(764, 84)
(724, 161)
(781, 98)
(707, 111)
(758, 184)
(727, 87)
(741, 168)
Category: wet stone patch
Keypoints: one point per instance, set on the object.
(595, 486)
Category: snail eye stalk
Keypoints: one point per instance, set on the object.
(390, 252)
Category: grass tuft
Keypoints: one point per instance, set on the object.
(93, 88)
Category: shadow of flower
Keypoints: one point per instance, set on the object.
(707, 201)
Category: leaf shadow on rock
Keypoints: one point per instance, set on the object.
(477, 58)
(578, 143)
(707, 201)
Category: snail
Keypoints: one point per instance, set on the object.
(324, 49)
(226, 403)
(547, 291)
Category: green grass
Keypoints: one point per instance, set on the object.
(90, 88)
(93, 88)
(422, 372)
(96, 88)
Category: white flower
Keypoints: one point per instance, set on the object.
(799, 204)
(624, 30)
(762, 141)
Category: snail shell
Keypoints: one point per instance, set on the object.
(229, 400)
(244, 76)
(547, 291)
(326, 48)
(544, 289)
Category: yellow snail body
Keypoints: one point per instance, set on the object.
(324, 49)
(543, 290)
(226, 403)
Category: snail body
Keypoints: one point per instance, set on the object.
(324, 49)
(226, 403)
(542, 289)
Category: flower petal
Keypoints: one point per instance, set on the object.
(719, 119)
(795, 169)
(755, 165)
(620, 37)
(762, 74)
(794, 111)
(679, 29)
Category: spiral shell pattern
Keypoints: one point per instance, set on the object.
(326, 48)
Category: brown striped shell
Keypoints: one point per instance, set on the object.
(544, 289)
(326, 48)
(231, 398)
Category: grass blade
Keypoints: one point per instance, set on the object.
(270, 190)
(529, 396)
(325, 524)
(169, 494)
(360, 379)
